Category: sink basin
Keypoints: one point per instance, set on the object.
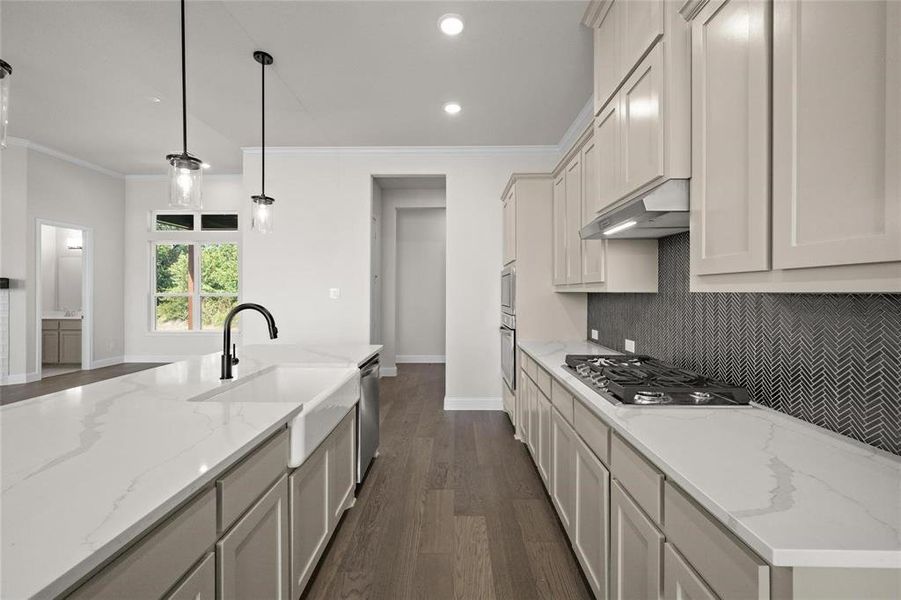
(325, 395)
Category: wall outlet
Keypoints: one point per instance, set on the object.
(594, 334)
(630, 345)
(334, 293)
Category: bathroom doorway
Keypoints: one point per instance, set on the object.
(63, 298)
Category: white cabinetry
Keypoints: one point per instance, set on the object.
(559, 230)
(563, 471)
(636, 550)
(509, 228)
(591, 534)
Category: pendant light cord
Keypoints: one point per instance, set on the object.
(184, 84)
(263, 113)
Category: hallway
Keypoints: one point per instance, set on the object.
(452, 508)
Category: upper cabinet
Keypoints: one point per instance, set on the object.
(509, 228)
(804, 196)
(559, 237)
(574, 219)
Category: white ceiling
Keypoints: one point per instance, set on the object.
(368, 73)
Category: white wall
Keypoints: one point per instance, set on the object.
(143, 195)
(49, 263)
(36, 186)
(321, 241)
(420, 284)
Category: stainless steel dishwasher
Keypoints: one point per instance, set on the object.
(368, 416)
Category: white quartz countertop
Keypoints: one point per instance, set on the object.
(85, 470)
(798, 495)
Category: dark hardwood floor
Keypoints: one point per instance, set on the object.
(452, 508)
(48, 385)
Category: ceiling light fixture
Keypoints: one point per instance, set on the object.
(185, 172)
(6, 73)
(452, 108)
(261, 219)
(620, 227)
(451, 24)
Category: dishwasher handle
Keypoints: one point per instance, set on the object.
(369, 368)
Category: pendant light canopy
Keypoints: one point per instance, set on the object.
(261, 219)
(6, 73)
(185, 170)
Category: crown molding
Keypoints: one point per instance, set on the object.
(21, 142)
(577, 127)
(420, 150)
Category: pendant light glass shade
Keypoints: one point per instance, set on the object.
(185, 170)
(261, 219)
(262, 207)
(185, 181)
(6, 73)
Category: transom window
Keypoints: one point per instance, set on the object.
(194, 275)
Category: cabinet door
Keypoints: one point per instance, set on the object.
(836, 133)
(309, 517)
(642, 26)
(574, 220)
(593, 251)
(730, 192)
(680, 582)
(253, 555)
(592, 530)
(200, 584)
(608, 72)
(636, 549)
(50, 347)
(342, 467)
(509, 228)
(641, 114)
(69, 347)
(532, 400)
(607, 138)
(559, 231)
(563, 470)
(544, 437)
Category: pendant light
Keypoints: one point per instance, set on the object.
(261, 219)
(6, 73)
(185, 170)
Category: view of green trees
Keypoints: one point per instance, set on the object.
(175, 275)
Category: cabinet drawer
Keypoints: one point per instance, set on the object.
(726, 564)
(200, 584)
(639, 477)
(595, 434)
(70, 324)
(543, 379)
(238, 489)
(530, 366)
(158, 560)
(562, 400)
(49, 324)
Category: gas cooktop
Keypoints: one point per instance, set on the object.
(644, 381)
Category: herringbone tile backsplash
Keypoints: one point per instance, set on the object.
(830, 359)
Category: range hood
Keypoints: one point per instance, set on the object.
(657, 213)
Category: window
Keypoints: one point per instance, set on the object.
(195, 273)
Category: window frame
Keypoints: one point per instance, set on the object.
(198, 239)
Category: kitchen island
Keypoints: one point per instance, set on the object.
(87, 471)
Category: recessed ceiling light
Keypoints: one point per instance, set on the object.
(155, 99)
(451, 24)
(206, 165)
(452, 108)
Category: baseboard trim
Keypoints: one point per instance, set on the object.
(107, 362)
(420, 358)
(457, 403)
(388, 371)
(157, 358)
(19, 378)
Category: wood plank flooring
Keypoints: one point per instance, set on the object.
(48, 385)
(452, 508)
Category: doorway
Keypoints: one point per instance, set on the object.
(408, 266)
(63, 298)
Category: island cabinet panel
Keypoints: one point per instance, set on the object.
(730, 184)
(642, 480)
(680, 582)
(239, 488)
(200, 584)
(309, 517)
(342, 467)
(836, 133)
(563, 470)
(730, 568)
(157, 561)
(636, 550)
(592, 526)
(253, 555)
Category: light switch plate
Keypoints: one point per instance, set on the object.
(594, 334)
(334, 293)
(630, 345)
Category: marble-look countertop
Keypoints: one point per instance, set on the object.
(86, 470)
(798, 495)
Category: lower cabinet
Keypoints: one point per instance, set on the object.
(636, 549)
(543, 408)
(342, 467)
(563, 470)
(532, 410)
(680, 582)
(592, 528)
(309, 517)
(253, 555)
(200, 584)
(49, 347)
